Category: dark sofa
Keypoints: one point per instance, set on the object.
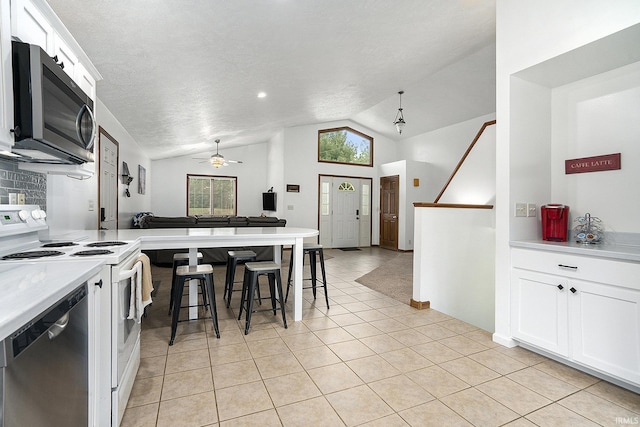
(210, 255)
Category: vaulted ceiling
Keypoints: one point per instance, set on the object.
(180, 74)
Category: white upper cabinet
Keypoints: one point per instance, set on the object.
(66, 57)
(30, 25)
(6, 87)
(34, 22)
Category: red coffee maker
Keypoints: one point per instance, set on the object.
(555, 218)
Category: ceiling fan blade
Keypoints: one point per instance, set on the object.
(233, 161)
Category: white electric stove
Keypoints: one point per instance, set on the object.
(24, 237)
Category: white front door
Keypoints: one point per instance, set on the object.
(344, 211)
(108, 181)
(345, 226)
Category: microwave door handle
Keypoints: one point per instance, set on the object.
(88, 144)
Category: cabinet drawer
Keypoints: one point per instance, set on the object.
(618, 273)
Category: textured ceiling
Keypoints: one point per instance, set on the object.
(179, 74)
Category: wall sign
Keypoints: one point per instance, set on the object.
(593, 164)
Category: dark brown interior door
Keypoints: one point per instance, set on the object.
(389, 212)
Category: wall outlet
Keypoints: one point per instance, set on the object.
(91, 206)
(532, 209)
(521, 209)
(289, 207)
(21, 199)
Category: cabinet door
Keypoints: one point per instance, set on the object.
(539, 310)
(100, 349)
(605, 328)
(65, 55)
(85, 81)
(6, 79)
(30, 25)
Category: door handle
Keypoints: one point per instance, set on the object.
(394, 217)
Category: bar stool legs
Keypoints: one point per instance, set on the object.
(233, 257)
(251, 272)
(202, 273)
(178, 260)
(313, 250)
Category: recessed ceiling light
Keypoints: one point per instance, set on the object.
(262, 94)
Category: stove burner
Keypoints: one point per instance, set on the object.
(59, 245)
(103, 244)
(92, 252)
(32, 255)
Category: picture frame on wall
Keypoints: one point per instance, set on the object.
(293, 188)
(142, 179)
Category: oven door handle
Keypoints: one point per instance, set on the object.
(127, 274)
(57, 328)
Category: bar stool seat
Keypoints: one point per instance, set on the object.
(178, 260)
(251, 272)
(184, 273)
(313, 250)
(233, 257)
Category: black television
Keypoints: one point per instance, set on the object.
(269, 201)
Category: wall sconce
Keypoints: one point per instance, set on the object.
(126, 178)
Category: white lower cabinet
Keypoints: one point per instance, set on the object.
(605, 328)
(100, 349)
(539, 310)
(555, 308)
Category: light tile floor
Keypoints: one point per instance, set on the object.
(369, 360)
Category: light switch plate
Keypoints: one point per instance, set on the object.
(521, 209)
(532, 209)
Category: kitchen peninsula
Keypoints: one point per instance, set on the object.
(195, 238)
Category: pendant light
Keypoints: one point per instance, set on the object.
(399, 121)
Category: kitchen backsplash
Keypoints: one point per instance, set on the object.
(32, 184)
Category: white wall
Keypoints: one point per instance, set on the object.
(595, 116)
(442, 150)
(453, 263)
(301, 167)
(475, 181)
(68, 199)
(275, 174)
(128, 151)
(528, 33)
(169, 179)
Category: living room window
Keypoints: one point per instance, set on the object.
(211, 195)
(345, 145)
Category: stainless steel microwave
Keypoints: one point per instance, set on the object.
(53, 117)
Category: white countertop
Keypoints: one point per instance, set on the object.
(180, 238)
(611, 250)
(29, 288)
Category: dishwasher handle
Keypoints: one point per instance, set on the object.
(57, 328)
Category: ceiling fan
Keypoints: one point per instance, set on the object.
(217, 160)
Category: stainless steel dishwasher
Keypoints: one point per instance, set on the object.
(44, 367)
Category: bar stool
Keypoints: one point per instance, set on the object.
(233, 257)
(251, 272)
(312, 249)
(202, 273)
(178, 260)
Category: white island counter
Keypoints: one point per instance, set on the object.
(198, 238)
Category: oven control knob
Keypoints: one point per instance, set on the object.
(23, 215)
(43, 214)
(35, 214)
